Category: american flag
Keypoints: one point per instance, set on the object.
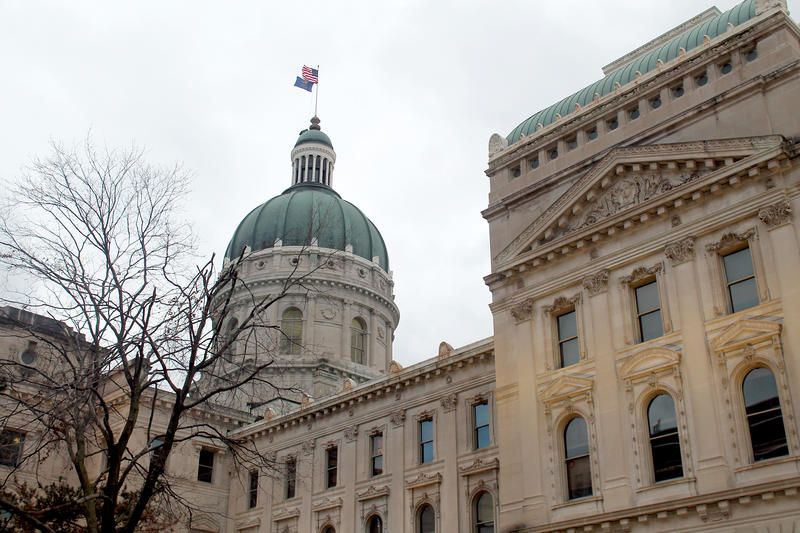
(310, 74)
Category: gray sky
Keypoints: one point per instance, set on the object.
(410, 92)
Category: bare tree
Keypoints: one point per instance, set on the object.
(132, 336)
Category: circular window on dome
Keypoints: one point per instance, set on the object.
(29, 356)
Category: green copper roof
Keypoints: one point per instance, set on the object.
(306, 211)
(313, 136)
(688, 40)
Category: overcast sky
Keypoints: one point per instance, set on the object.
(410, 93)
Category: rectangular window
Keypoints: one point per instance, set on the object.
(11, 442)
(205, 466)
(331, 466)
(480, 419)
(568, 349)
(425, 441)
(376, 454)
(291, 477)
(253, 493)
(648, 311)
(740, 280)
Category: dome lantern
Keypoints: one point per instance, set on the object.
(313, 157)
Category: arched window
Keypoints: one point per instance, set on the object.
(374, 524)
(358, 341)
(317, 168)
(764, 418)
(576, 451)
(291, 331)
(426, 520)
(328, 529)
(665, 446)
(484, 513)
(302, 168)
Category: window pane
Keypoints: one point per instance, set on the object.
(570, 352)
(579, 477)
(426, 430)
(11, 443)
(481, 414)
(738, 265)
(427, 522)
(484, 514)
(567, 326)
(426, 452)
(377, 445)
(651, 325)
(205, 468)
(482, 437)
(661, 415)
(743, 295)
(375, 525)
(667, 463)
(647, 298)
(764, 417)
(377, 465)
(576, 440)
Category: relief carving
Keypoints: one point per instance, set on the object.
(351, 433)
(562, 304)
(522, 311)
(730, 240)
(449, 402)
(596, 283)
(640, 273)
(397, 418)
(680, 251)
(776, 215)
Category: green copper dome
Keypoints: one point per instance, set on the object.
(306, 212)
(313, 136)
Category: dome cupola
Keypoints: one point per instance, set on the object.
(313, 157)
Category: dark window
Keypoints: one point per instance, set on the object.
(11, 443)
(751, 54)
(576, 448)
(480, 417)
(426, 519)
(764, 418)
(633, 113)
(612, 124)
(155, 444)
(648, 312)
(28, 357)
(677, 91)
(701, 79)
(376, 454)
(568, 349)
(665, 444)
(740, 279)
(205, 466)
(572, 143)
(331, 466)
(358, 340)
(484, 513)
(553, 153)
(292, 331)
(655, 103)
(253, 501)
(591, 134)
(516, 172)
(533, 162)
(329, 529)
(291, 477)
(375, 525)
(425, 441)
(726, 67)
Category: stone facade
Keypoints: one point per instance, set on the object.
(612, 290)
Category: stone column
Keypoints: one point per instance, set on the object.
(347, 477)
(447, 451)
(394, 456)
(696, 362)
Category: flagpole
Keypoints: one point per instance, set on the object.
(316, 98)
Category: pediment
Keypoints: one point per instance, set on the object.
(744, 332)
(628, 184)
(649, 361)
(566, 387)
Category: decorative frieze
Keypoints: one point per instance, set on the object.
(596, 283)
(729, 240)
(641, 273)
(776, 215)
(562, 304)
(681, 251)
(522, 311)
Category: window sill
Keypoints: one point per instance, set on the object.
(578, 501)
(655, 487)
(768, 462)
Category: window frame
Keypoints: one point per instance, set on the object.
(290, 478)
(746, 417)
(561, 306)
(476, 526)
(648, 401)
(728, 283)
(565, 460)
(208, 469)
(421, 444)
(639, 277)
(475, 427)
(18, 448)
(361, 336)
(373, 455)
(728, 243)
(252, 492)
(418, 517)
(292, 344)
(639, 314)
(331, 467)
